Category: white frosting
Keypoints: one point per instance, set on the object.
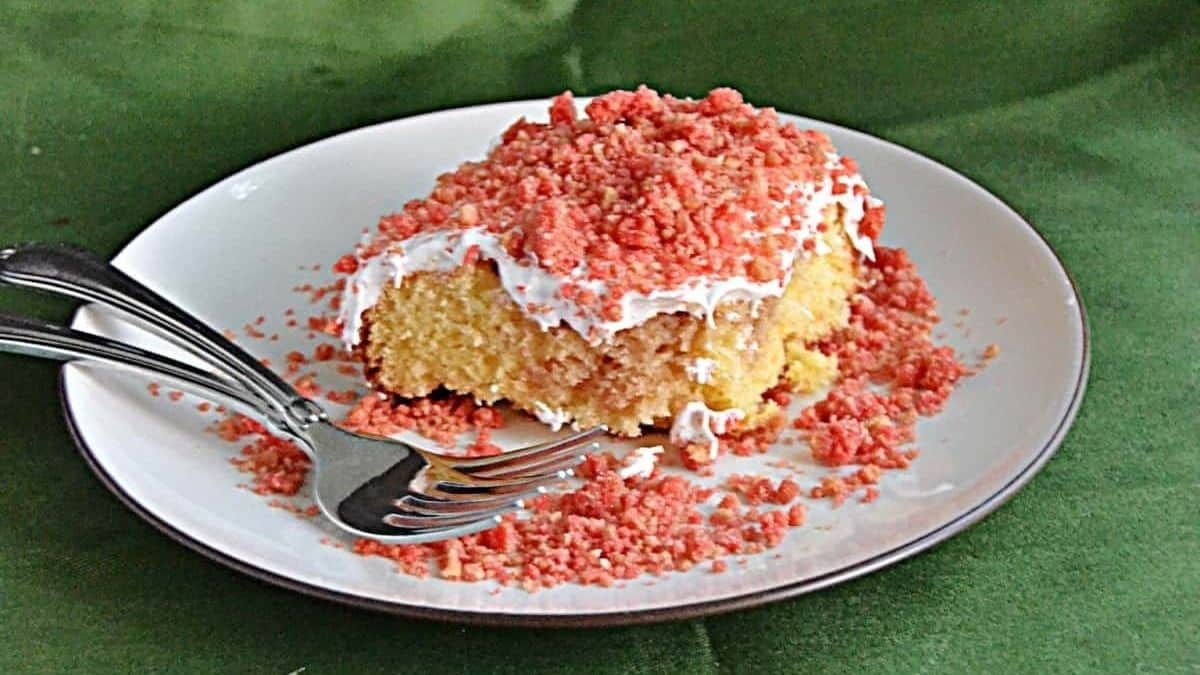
(554, 418)
(640, 462)
(699, 424)
(701, 370)
(536, 290)
(742, 340)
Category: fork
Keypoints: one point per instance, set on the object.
(367, 485)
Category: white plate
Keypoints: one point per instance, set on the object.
(232, 252)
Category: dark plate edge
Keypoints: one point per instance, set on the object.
(680, 612)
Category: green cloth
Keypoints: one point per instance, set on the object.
(1085, 116)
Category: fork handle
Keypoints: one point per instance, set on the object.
(77, 272)
(31, 337)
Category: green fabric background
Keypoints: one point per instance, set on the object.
(1085, 116)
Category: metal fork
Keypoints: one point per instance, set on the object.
(369, 486)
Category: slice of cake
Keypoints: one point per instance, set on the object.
(657, 262)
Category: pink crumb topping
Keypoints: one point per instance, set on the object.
(441, 420)
(610, 529)
(650, 190)
(278, 466)
(891, 373)
(755, 490)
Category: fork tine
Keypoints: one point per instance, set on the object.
(453, 489)
(422, 504)
(532, 464)
(531, 451)
(484, 483)
(389, 534)
(536, 471)
(409, 520)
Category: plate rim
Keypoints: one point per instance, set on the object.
(693, 610)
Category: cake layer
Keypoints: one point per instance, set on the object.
(460, 330)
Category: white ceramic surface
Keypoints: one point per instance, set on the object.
(233, 253)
